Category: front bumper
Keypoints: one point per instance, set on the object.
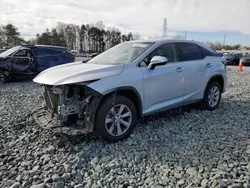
(43, 118)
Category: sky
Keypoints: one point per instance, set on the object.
(206, 20)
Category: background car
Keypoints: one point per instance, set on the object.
(236, 58)
(228, 58)
(246, 60)
(26, 61)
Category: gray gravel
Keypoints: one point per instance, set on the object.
(173, 149)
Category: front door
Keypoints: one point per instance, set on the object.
(163, 86)
(22, 63)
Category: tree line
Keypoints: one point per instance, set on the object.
(86, 37)
(219, 46)
(95, 37)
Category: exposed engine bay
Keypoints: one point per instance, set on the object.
(69, 109)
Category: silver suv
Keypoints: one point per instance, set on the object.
(107, 94)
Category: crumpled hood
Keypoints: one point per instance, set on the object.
(76, 72)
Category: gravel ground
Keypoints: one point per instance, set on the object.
(173, 149)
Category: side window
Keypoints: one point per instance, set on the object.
(21, 53)
(47, 52)
(24, 53)
(206, 52)
(188, 52)
(166, 50)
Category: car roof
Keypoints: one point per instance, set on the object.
(48, 46)
(162, 41)
(165, 40)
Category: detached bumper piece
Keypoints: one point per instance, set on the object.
(43, 118)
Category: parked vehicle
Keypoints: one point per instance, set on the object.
(74, 52)
(107, 94)
(236, 58)
(26, 61)
(228, 58)
(246, 60)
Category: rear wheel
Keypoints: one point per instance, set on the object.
(114, 122)
(3, 77)
(212, 96)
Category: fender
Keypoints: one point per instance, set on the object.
(214, 76)
(111, 91)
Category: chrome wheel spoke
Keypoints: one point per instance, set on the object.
(127, 114)
(113, 111)
(125, 123)
(121, 109)
(216, 93)
(111, 128)
(108, 120)
(119, 130)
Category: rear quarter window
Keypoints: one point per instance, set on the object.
(206, 52)
(48, 52)
(188, 52)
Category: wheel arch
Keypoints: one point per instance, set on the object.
(126, 91)
(219, 78)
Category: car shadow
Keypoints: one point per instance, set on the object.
(183, 137)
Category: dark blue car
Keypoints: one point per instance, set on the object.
(26, 61)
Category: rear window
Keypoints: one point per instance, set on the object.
(48, 51)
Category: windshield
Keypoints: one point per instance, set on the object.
(227, 55)
(10, 51)
(247, 56)
(121, 53)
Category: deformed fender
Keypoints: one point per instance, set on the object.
(117, 89)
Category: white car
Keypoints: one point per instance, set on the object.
(107, 94)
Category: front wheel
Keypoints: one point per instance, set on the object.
(115, 118)
(212, 96)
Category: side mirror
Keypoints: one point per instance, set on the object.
(157, 61)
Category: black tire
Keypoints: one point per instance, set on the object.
(3, 77)
(102, 112)
(205, 102)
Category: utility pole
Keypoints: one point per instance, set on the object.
(185, 35)
(224, 41)
(164, 28)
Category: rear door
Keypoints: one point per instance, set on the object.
(191, 58)
(49, 57)
(46, 58)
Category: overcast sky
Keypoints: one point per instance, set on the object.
(142, 16)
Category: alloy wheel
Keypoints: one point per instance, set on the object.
(214, 96)
(118, 120)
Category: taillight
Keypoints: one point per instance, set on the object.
(73, 56)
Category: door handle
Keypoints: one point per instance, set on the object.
(179, 69)
(208, 65)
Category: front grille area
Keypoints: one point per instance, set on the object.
(51, 99)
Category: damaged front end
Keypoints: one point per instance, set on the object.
(69, 109)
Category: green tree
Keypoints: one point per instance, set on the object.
(11, 35)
